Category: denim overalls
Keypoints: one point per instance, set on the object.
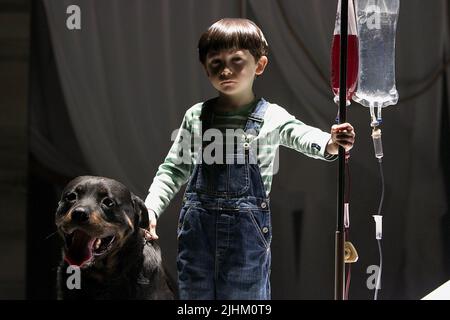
(224, 230)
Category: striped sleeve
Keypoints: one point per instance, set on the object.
(174, 172)
(306, 139)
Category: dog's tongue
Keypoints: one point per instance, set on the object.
(80, 249)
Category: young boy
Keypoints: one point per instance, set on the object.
(224, 230)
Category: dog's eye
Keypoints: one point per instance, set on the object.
(108, 202)
(71, 196)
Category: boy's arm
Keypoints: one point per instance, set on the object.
(309, 140)
(173, 173)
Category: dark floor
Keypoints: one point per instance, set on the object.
(14, 51)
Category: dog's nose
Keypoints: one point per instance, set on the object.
(80, 215)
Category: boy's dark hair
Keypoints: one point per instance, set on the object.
(233, 33)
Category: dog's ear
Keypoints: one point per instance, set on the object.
(141, 210)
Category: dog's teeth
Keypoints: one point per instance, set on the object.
(97, 243)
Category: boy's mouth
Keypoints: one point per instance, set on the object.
(228, 82)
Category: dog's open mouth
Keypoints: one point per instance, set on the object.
(82, 248)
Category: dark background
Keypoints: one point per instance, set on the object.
(105, 99)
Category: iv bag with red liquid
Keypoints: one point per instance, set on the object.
(352, 54)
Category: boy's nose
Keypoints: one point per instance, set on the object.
(226, 71)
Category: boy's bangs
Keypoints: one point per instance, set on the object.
(229, 34)
(220, 40)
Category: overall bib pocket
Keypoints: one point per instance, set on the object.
(223, 179)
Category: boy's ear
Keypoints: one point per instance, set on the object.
(261, 65)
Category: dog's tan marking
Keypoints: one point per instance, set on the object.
(129, 221)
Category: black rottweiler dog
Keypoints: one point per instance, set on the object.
(100, 221)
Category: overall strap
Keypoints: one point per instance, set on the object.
(256, 118)
(206, 114)
(206, 118)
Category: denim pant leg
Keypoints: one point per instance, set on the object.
(195, 260)
(243, 270)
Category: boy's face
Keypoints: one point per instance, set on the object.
(232, 72)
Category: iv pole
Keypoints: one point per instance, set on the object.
(339, 265)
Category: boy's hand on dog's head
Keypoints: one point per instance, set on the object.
(151, 233)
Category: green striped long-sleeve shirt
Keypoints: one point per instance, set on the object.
(279, 128)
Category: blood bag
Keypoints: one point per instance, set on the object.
(352, 54)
